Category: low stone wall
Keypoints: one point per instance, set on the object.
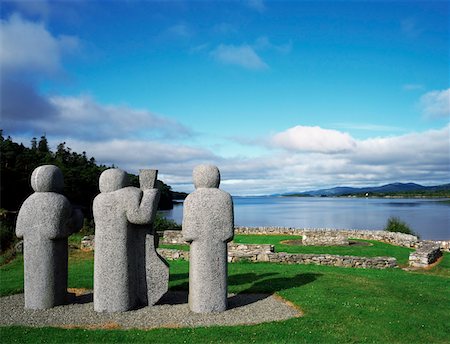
(290, 258)
(324, 238)
(268, 230)
(172, 237)
(172, 254)
(334, 260)
(234, 248)
(394, 238)
(426, 254)
(88, 243)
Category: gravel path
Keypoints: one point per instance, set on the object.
(172, 312)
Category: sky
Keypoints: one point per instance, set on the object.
(282, 96)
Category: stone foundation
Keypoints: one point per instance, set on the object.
(394, 238)
(172, 237)
(324, 238)
(290, 258)
(426, 254)
(88, 243)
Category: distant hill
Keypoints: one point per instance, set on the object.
(384, 190)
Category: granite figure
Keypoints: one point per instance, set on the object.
(208, 225)
(45, 220)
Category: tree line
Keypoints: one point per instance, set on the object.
(81, 174)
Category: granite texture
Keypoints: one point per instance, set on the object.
(208, 224)
(153, 270)
(118, 247)
(324, 238)
(45, 220)
(171, 312)
(426, 254)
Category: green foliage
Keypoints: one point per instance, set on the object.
(7, 229)
(163, 224)
(18, 162)
(81, 174)
(394, 224)
(88, 227)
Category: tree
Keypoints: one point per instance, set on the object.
(43, 145)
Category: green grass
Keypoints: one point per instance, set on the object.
(341, 305)
(376, 249)
(175, 246)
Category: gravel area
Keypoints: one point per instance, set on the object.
(171, 312)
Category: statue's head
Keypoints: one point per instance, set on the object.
(112, 180)
(47, 178)
(206, 176)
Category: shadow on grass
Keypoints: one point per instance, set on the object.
(273, 285)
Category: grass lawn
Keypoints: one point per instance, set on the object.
(341, 305)
(375, 249)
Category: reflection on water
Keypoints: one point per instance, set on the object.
(428, 218)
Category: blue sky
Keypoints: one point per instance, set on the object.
(281, 96)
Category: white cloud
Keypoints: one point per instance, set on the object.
(82, 117)
(28, 46)
(241, 55)
(436, 104)
(313, 139)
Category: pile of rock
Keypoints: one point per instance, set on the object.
(426, 254)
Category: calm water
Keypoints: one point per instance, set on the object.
(426, 217)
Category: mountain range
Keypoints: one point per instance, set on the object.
(384, 189)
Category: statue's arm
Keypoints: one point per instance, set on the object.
(142, 206)
(229, 211)
(189, 225)
(21, 223)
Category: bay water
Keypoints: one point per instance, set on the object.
(429, 218)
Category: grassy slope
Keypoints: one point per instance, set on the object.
(340, 304)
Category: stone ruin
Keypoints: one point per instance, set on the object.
(324, 238)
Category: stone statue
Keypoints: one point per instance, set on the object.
(208, 224)
(45, 220)
(117, 210)
(153, 270)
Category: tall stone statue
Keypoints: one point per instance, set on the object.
(117, 210)
(45, 220)
(208, 224)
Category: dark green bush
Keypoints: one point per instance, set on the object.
(162, 224)
(394, 224)
(7, 229)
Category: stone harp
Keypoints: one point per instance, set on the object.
(147, 179)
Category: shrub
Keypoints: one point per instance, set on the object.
(7, 229)
(394, 224)
(162, 224)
